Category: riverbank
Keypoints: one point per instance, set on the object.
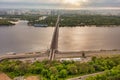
(40, 56)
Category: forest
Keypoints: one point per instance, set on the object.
(57, 70)
(80, 20)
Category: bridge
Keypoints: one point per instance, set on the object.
(54, 43)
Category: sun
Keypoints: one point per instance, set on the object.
(74, 2)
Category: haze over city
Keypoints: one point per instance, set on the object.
(61, 4)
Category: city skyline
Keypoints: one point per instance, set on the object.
(61, 4)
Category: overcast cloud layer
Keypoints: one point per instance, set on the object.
(54, 4)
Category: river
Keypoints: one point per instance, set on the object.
(23, 38)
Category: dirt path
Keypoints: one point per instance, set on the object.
(4, 77)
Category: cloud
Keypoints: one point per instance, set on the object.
(59, 3)
(103, 3)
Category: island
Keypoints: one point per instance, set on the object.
(5, 22)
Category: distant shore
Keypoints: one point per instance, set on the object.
(79, 20)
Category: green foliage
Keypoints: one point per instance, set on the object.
(45, 73)
(63, 73)
(53, 70)
(36, 68)
(5, 22)
(113, 74)
(80, 20)
(72, 69)
(60, 70)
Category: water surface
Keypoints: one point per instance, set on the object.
(23, 38)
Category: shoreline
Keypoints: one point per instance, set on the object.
(81, 26)
(72, 54)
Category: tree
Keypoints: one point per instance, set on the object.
(72, 69)
(53, 70)
(63, 73)
(60, 67)
(45, 73)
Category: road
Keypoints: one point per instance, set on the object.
(23, 56)
(43, 55)
(85, 76)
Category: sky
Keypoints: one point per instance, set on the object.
(60, 4)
